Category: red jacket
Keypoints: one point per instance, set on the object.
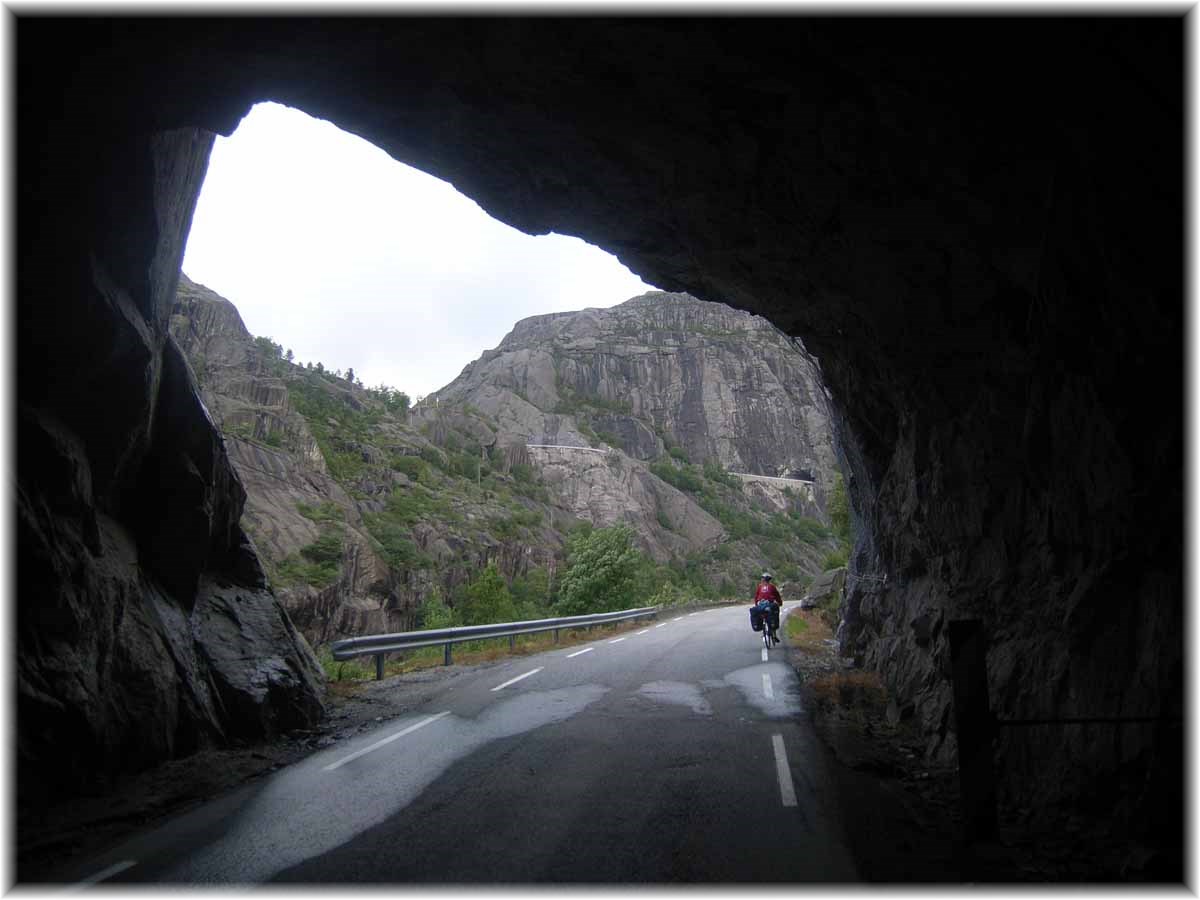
(767, 591)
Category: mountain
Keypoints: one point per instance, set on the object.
(701, 428)
(662, 374)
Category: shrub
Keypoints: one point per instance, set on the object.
(839, 510)
(434, 613)
(531, 594)
(412, 466)
(664, 521)
(602, 566)
(685, 478)
(835, 559)
(325, 511)
(316, 564)
(487, 600)
(327, 548)
(714, 473)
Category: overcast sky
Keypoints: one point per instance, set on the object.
(333, 249)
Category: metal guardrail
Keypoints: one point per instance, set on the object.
(380, 645)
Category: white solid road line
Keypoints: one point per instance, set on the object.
(518, 678)
(616, 641)
(580, 652)
(787, 792)
(114, 869)
(640, 633)
(387, 740)
(767, 689)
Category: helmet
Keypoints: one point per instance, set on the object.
(766, 576)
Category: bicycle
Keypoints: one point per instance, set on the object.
(770, 626)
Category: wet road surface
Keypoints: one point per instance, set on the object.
(672, 753)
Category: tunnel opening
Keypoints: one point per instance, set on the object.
(990, 374)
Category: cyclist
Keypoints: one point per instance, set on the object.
(768, 593)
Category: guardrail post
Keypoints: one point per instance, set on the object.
(556, 635)
(512, 642)
(448, 646)
(379, 666)
(975, 728)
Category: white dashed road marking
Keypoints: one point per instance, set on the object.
(660, 624)
(114, 869)
(580, 652)
(617, 641)
(640, 633)
(677, 618)
(764, 654)
(787, 793)
(767, 689)
(518, 678)
(387, 740)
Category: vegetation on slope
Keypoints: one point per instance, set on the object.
(417, 475)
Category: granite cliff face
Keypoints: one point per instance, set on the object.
(662, 370)
(497, 466)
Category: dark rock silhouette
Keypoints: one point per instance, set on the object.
(974, 224)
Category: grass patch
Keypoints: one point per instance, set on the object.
(469, 653)
(806, 630)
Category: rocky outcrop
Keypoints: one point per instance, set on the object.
(268, 411)
(128, 533)
(985, 259)
(662, 370)
(609, 488)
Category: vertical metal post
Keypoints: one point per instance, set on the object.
(448, 646)
(379, 666)
(512, 643)
(556, 635)
(975, 728)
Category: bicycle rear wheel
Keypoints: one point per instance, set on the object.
(766, 633)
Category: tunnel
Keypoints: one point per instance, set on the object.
(974, 224)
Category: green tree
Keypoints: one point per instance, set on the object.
(531, 594)
(435, 613)
(269, 347)
(487, 599)
(602, 571)
(839, 510)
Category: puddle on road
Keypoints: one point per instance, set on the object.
(305, 811)
(533, 709)
(677, 692)
(786, 698)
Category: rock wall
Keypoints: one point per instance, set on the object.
(974, 224)
(662, 370)
(144, 625)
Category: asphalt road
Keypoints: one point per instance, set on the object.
(671, 753)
